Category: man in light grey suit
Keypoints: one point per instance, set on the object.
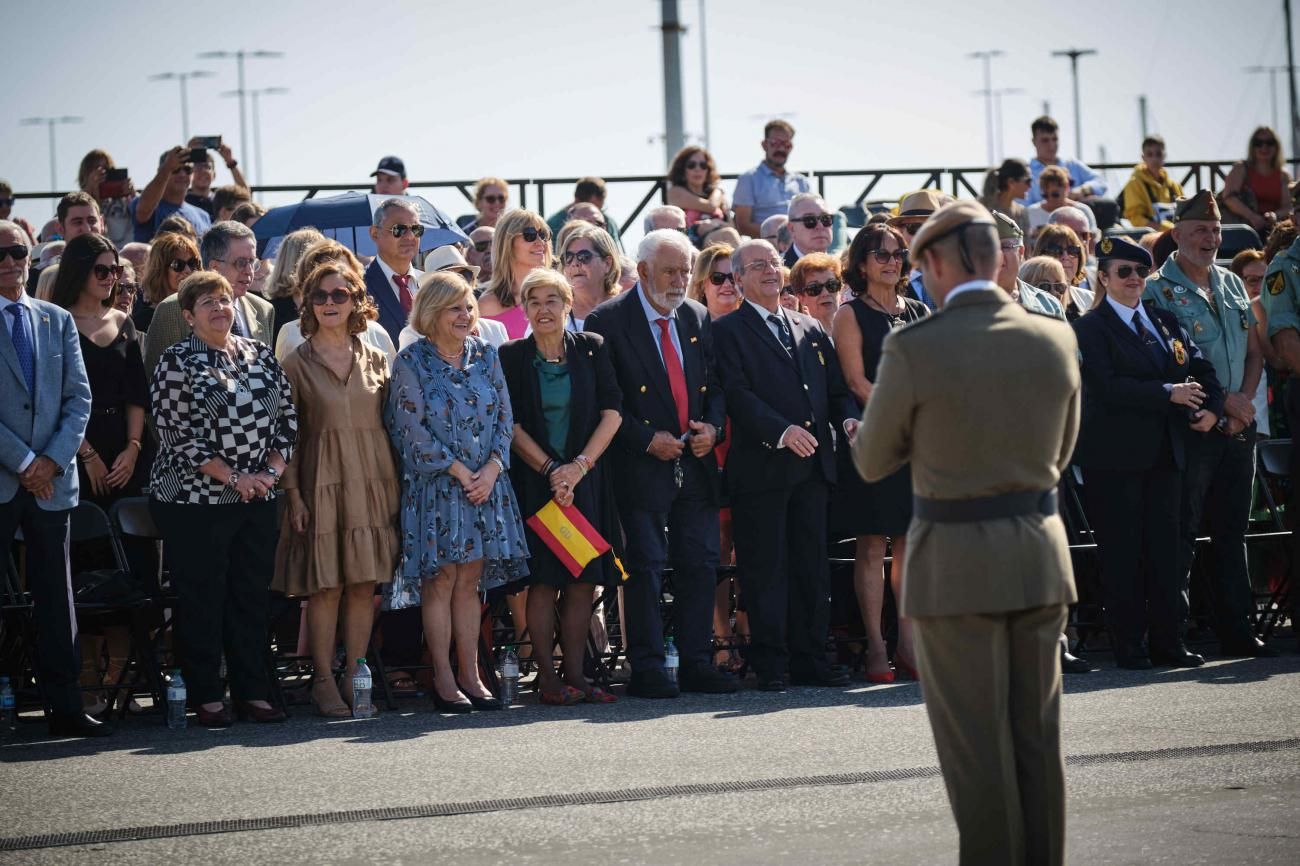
(42, 421)
(230, 249)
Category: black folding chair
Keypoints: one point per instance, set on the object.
(1275, 472)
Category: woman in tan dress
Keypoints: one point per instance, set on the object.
(339, 533)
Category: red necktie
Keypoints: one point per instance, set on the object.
(676, 378)
(404, 292)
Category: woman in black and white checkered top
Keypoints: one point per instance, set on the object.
(227, 427)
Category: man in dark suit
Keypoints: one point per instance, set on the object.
(391, 282)
(665, 471)
(788, 405)
(1139, 407)
(810, 227)
(42, 420)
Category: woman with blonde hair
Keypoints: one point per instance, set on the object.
(449, 417)
(1258, 189)
(712, 282)
(172, 257)
(590, 262)
(521, 243)
(491, 195)
(281, 286)
(1048, 274)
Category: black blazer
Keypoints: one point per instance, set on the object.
(643, 482)
(790, 257)
(768, 391)
(381, 292)
(1127, 415)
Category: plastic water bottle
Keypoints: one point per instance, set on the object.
(671, 660)
(508, 670)
(176, 701)
(362, 708)
(8, 710)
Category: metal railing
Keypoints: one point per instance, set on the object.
(959, 181)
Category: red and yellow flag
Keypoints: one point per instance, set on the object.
(569, 535)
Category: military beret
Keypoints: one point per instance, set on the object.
(1007, 227)
(1120, 248)
(1201, 206)
(947, 220)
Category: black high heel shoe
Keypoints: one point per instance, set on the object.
(445, 706)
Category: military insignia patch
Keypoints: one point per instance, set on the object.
(1106, 246)
(1169, 293)
(1180, 353)
(1276, 283)
(1180, 289)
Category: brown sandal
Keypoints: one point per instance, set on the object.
(334, 710)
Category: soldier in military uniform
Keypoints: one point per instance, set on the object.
(989, 575)
(1212, 306)
(1012, 241)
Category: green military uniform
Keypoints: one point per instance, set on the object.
(1030, 297)
(1220, 327)
(1281, 293)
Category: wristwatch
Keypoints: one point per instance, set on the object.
(270, 470)
(233, 481)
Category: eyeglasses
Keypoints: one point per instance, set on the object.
(494, 199)
(17, 252)
(1056, 251)
(718, 278)
(1054, 288)
(883, 257)
(211, 302)
(696, 163)
(482, 246)
(240, 264)
(1126, 271)
(1263, 142)
(103, 272)
(811, 220)
(398, 230)
(762, 265)
(910, 228)
(337, 297)
(582, 257)
(180, 266)
(530, 234)
(812, 290)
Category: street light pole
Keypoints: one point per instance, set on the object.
(1272, 86)
(704, 73)
(674, 126)
(256, 93)
(51, 122)
(183, 77)
(238, 56)
(1074, 54)
(986, 57)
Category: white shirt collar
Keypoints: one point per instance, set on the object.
(763, 311)
(389, 272)
(1126, 313)
(969, 286)
(651, 313)
(22, 298)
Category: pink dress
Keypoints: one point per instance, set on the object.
(515, 321)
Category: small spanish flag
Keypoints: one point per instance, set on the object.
(573, 540)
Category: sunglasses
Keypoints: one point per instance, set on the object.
(531, 234)
(494, 199)
(482, 246)
(6, 202)
(416, 230)
(180, 266)
(127, 288)
(718, 278)
(464, 273)
(910, 228)
(883, 257)
(337, 297)
(1263, 142)
(696, 163)
(17, 252)
(832, 285)
(582, 257)
(1056, 251)
(811, 220)
(786, 290)
(1054, 288)
(103, 272)
(1126, 271)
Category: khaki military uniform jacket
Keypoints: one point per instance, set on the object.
(982, 398)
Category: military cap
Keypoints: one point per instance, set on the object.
(919, 205)
(947, 220)
(1201, 206)
(1122, 249)
(1008, 228)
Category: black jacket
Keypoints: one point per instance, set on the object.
(1126, 409)
(768, 391)
(643, 482)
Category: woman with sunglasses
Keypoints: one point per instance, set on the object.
(323, 251)
(816, 280)
(491, 195)
(1258, 188)
(876, 514)
(1046, 274)
(522, 243)
(590, 262)
(1004, 186)
(338, 537)
(127, 289)
(1061, 243)
(172, 257)
(694, 185)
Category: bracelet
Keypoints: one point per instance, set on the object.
(547, 468)
(233, 481)
(89, 455)
(231, 165)
(501, 465)
(585, 462)
(135, 442)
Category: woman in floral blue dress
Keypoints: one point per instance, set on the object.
(449, 417)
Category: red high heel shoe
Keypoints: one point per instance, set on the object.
(904, 667)
(886, 677)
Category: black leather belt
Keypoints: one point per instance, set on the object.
(984, 507)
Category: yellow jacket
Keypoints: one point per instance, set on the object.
(1143, 190)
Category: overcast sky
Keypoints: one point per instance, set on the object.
(559, 88)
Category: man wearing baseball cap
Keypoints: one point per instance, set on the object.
(390, 176)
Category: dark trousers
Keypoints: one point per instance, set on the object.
(49, 580)
(221, 558)
(1218, 484)
(691, 545)
(1291, 403)
(1135, 516)
(780, 540)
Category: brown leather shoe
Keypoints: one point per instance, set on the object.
(212, 719)
(249, 713)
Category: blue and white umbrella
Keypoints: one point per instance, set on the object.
(347, 218)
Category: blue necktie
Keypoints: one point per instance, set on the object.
(23, 345)
(787, 342)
